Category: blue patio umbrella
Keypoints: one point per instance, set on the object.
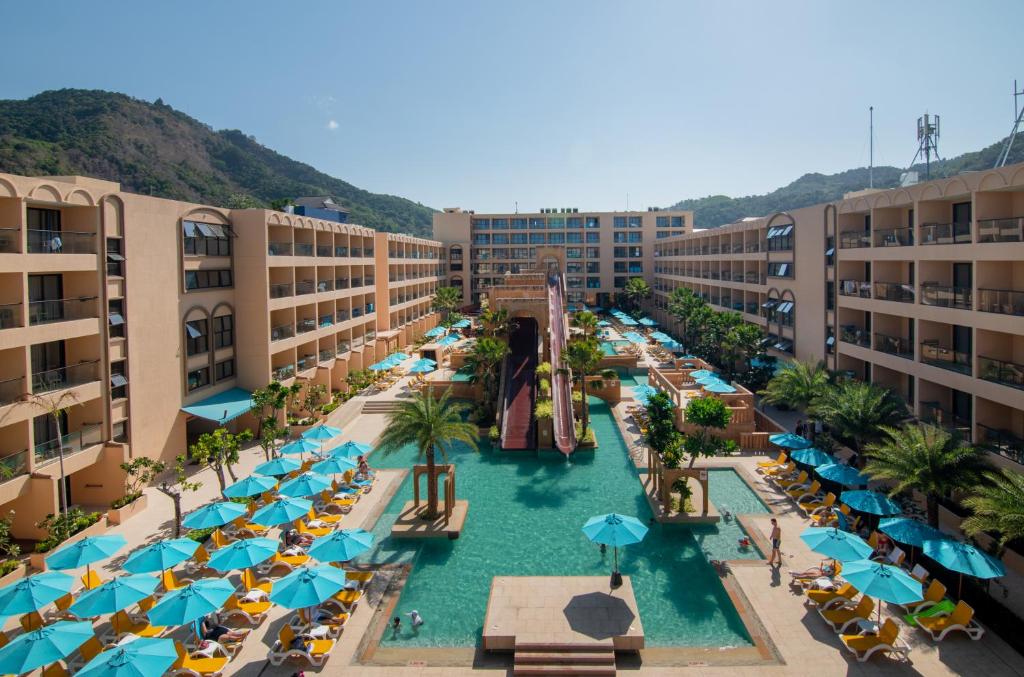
(160, 556)
(250, 486)
(789, 441)
(118, 593)
(421, 368)
(720, 387)
(213, 515)
(350, 449)
(86, 551)
(47, 644)
(843, 474)
(242, 554)
(308, 586)
(648, 322)
(342, 545)
(909, 531)
(383, 365)
(871, 502)
(835, 543)
(634, 337)
(963, 558)
(604, 323)
(812, 456)
(702, 373)
(194, 601)
(142, 657)
(448, 340)
(299, 447)
(398, 357)
(615, 530)
(277, 466)
(34, 592)
(660, 336)
(334, 465)
(644, 389)
(282, 510)
(464, 323)
(882, 581)
(627, 321)
(306, 484)
(321, 432)
(436, 331)
(672, 345)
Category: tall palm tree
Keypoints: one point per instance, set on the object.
(483, 359)
(434, 426)
(857, 411)
(446, 299)
(998, 506)
(636, 290)
(797, 385)
(927, 459)
(582, 355)
(56, 405)
(496, 322)
(585, 321)
(682, 304)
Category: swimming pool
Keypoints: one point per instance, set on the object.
(525, 517)
(609, 346)
(628, 380)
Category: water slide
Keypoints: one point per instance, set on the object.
(518, 430)
(561, 381)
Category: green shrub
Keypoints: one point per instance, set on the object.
(7, 566)
(62, 527)
(330, 406)
(544, 409)
(545, 387)
(494, 434)
(200, 535)
(577, 396)
(125, 500)
(543, 369)
(589, 438)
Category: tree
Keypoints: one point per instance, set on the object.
(446, 299)
(661, 429)
(496, 323)
(433, 426)
(998, 506)
(796, 386)
(484, 360)
(219, 450)
(636, 291)
(586, 322)
(56, 406)
(855, 411)
(313, 397)
(267, 404)
(741, 343)
(174, 491)
(707, 413)
(138, 473)
(682, 304)
(451, 320)
(927, 459)
(582, 355)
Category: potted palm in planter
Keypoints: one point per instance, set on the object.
(139, 472)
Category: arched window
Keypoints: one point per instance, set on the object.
(455, 257)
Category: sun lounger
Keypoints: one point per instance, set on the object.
(827, 599)
(815, 505)
(250, 581)
(31, 621)
(283, 564)
(91, 580)
(919, 573)
(943, 608)
(316, 651)
(961, 618)
(843, 617)
(786, 483)
(935, 593)
(172, 582)
(121, 624)
(333, 624)
(780, 460)
(805, 494)
(886, 641)
(91, 648)
(254, 613)
(55, 670)
(200, 667)
(197, 565)
(363, 578)
(345, 600)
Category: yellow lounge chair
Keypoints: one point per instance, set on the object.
(91, 580)
(55, 670)
(250, 581)
(62, 610)
(123, 625)
(316, 532)
(779, 472)
(824, 518)
(886, 641)
(91, 648)
(286, 563)
(244, 528)
(826, 599)
(172, 582)
(962, 619)
(221, 539)
(843, 617)
(31, 621)
(335, 624)
(200, 667)
(800, 479)
(345, 600)
(362, 577)
(808, 494)
(935, 593)
(316, 651)
(327, 518)
(780, 460)
(254, 613)
(815, 506)
(197, 564)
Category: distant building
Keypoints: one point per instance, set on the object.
(320, 208)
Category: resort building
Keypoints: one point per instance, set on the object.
(602, 249)
(149, 321)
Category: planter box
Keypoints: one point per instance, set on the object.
(126, 512)
(37, 560)
(14, 576)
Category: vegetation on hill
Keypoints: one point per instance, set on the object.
(152, 149)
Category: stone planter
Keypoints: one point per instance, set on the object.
(14, 576)
(126, 512)
(37, 560)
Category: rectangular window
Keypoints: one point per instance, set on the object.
(573, 253)
(619, 222)
(619, 238)
(118, 380)
(196, 337)
(574, 267)
(574, 238)
(593, 252)
(593, 267)
(205, 239)
(119, 432)
(661, 221)
(537, 238)
(225, 369)
(481, 238)
(636, 237)
(776, 269)
(481, 224)
(499, 238)
(678, 221)
(115, 257)
(556, 223)
(619, 252)
(619, 267)
(43, 219)
(207, 279)
(499, 253)
(593, 222)
(635, 222)
(556, 238)
(519, 238)
(593, 237)
(198, 378)
(518, 224)
(620, 282)
(574, 222)
(115, 317)
(224, 331)
(499, 224)
(537, 224)
(593, 283)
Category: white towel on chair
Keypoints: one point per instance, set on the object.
(255, 595)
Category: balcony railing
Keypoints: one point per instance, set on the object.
(356, 252)
(284, 372)
(854, 239)
(945, 296)
(325, 286)
(65, 377)
(894, 291)
(371, 335)
(341, 316)
(13, 465)
(61, 242)
(303, 249)
(324, 250)
(281, 332)
(341, 283)
(11, 390)
(326, 320)
(281, 290)
(306, 362)
(10, 315)
(341, 252)
(10, 240)
(306, 325)
(72, 443)
(945, 233)
(1002, 301)
(304, 287)
(855, 288)
(343, 347)
(61, 310)
(894, 345)
(279, 248)
(946, 358)
(1002, 442)
(857, 337)
(326, 355)
(932, 413)
(1001, 230)
(367, 281)
(357, 282)
(1000, 371)
(894, 237)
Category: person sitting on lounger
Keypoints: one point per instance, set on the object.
(213, 631)
(884, 547)
(293, 539)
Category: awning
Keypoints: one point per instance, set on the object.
(222, 407)
(785, 307)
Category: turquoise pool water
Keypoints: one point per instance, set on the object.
(609, 346)
(629, 380)
(525, 516)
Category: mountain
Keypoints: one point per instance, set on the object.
(152, 149)
(810, 189)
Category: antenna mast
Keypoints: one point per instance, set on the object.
(1004, 154)
(927, 142)
(871, 162)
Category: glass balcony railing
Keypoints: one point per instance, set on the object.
(10, 241)
(306, 362)
(61, 310)
(341, 283)
(356, 252)
(855, 288)
(61, 242)
(13, 465)
(303, 249)
(324, 250)
(341, 252)
(279, 248)
(306, 325)
(945, 296)
(854, 239)
(932, 413)
(894, 291)
(894, 237)
(1001, 371)
(11, 390)
(304, 287)
(283, 372)
(1001, 230)
(281, 332)
(946, 358)
(69, 444)
(357, 282)
(857, 337)
(945, 233)
(371, 335)
(325, 286)
(1002, 301)
(326, 355)
(343, 347)
(281, 290)
(326, 320)
(65, 377)
(10, 315)
(1002, 442)
(894, 345)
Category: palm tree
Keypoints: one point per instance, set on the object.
(434, 426)
(582, 355)
(927, 459)
(797, 385)
(682, 304)
(998, 506)
(857, 410)
(483, 359)
(496, 322)
(446, 299)
(636, 290)
(742, 342)
(585, 321)
(56, 405)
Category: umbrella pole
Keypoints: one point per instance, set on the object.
(960, 588)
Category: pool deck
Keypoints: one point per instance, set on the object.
(409, 524)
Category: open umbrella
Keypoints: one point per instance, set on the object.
(142, 657)
(836, 544)
(398, 357)
(644, 389)
(813, 457)
(627, 321)
(86, 551)
(341, 545)
(720, 387)
(909, 531)
(648, 322)
(306, 484)
(350, 449)
(243, 554)
(421, 368)
(299, 447)
(47, 644)
(280, 511)
(871, 502)
(883, 582)
(660, 336)
(435, 332)
(708, 380)
(615, 530)
(334, 465)
(250, 486)
(843, 474)
(701, 373)
(789, 441)
(160, 556)
(462, 324)
(277, 466)
(213, 515)
(321, 433)
(672, 345)
(963, 558)
(116, 594)
(33, 593)
(308, 586)
(194, 601)
(604, 323)
(448, 340)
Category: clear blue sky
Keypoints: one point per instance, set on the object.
(548, 102)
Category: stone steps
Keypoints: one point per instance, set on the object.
(380, 406)
(580, 660)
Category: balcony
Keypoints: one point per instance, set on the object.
(945, 358)
(65, 377)
(283, 373)
(279, 248)
(856, 336)
(894, 237)
(1002, 301)
(341, 316)
(343, 347)
(304, 287)
(10, 315)
(281, 332)
(325, 286)
(855, 288)
(357, 282)
(367, 281)
(280, 291)
(894, 345)
(13, 466)
(341, 283)
(61, 310)
(854, 239)
(945, 296)
(894, 291)
(356, 252)
(72, 443)
(326, 355)
(306, 325)
(1000, 371)
(341, 252)
(1001, 230)
(368, 252)
(945, 233)
(324, 250)
(306, 362)
(326, 320)
(61, 242)
(932, 413)
(10, 241)
(11, 390)
(303, 249)
(1002, 442)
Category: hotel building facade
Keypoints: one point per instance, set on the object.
(129, 309)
